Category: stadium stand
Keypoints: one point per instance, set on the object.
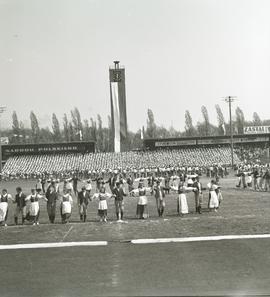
(163, 158)
(252, 154)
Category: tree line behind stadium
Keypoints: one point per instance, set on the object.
(72, 128)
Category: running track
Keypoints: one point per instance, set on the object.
(227, 267)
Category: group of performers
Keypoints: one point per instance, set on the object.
(28, 207)
(253, 176)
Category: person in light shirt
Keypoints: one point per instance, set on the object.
(102, 196)
(66, 206)
(4, 197)
(34, 209)
(198, 195)
(142, 201)
(213, 197)
(182, 205)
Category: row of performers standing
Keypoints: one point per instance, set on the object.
(118, 193)
(32, 215)
(215, 197)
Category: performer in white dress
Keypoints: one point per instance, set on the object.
(4, 207)
(102, 196)
(66, 206)
(182, 206)
(213, 197)
(33, 212)
(142, 211)
(88, 186)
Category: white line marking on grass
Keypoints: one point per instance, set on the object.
(194, 239)
(67, 233)
(52, 245)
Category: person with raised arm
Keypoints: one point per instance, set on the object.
(102, 196)
(142, 201)
(182, 205)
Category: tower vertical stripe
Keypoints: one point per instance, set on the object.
(116, 116)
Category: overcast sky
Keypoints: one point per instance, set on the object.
(178, 55)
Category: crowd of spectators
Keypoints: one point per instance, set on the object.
(142, 161)
(249, 154)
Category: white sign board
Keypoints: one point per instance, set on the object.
(257, 130)
(175, 143)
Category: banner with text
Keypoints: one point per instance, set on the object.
(257, 130)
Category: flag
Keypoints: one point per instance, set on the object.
(119, 121)
(224, 128)
(142, 132)
(80, 134)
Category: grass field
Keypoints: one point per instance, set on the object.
(122, 268)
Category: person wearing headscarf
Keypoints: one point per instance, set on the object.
(66, 206)
(33, 213)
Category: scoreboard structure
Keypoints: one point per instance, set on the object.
(11, 150)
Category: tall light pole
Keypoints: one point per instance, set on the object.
(2, 109)
(230, 99)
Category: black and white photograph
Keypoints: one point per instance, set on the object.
(134, 148)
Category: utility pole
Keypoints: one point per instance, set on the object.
(2, 109)
(230, 99)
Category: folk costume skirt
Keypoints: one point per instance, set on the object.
(213, 203)
(3, 211)
(182, 206)
(102, 208)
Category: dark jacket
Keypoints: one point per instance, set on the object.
(51, 196)
(83, 197)
(157, 192)
(20, 200)
(119, 194)
(198, 185)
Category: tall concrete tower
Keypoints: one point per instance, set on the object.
(118, 105)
